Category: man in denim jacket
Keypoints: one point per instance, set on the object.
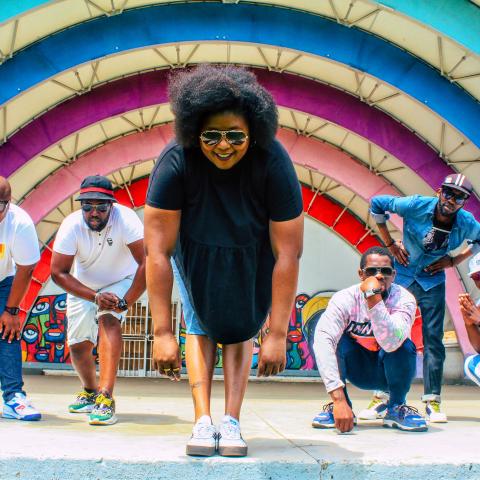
(432, 227)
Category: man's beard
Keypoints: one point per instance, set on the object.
(99, 227)
(444, 212)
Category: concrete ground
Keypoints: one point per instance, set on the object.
(155, 420)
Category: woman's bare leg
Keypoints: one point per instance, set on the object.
(200, 354)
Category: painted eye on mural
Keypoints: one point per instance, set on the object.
(61, 305)
(30, 335)
(41, 307)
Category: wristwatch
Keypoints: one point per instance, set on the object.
(372, 292)
(122, 305)
(12, 310)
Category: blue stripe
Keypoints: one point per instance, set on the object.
(243, 23)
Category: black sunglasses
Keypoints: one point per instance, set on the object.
(100, 207)
(372, 271)
(460, 198)
(3, 205)
(233, 137)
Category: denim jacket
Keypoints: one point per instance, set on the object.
(417, 213)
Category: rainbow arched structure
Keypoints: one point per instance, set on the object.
(436, 34)
(313, 162)
(385, 93)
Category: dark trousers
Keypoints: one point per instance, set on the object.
(11, 379)
(432, 307)
(388, 371)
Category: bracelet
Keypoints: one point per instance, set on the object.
(95, 299)
(390, 244)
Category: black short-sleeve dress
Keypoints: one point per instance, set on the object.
(223, 251)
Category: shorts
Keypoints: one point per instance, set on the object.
(82, 315)
(191, 320)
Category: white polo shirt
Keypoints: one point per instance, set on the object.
(18, 241)
(101, 258)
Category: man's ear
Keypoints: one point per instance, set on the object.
(438, 191)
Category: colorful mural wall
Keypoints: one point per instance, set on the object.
(44, 334)
(305, 314)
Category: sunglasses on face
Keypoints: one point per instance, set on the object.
(459, 198)
(100, 207)
(233, 137)
(475, 276)
(372, 271)
(3, 205)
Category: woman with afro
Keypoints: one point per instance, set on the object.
(225, 203)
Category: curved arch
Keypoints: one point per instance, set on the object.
(324, 210)
(318, 36)
(146, 145)
(289, 91)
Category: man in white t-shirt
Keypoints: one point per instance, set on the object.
(19, 253)
(99, 259)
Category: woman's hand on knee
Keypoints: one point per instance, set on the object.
(166, 356)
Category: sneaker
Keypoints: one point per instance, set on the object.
(405, 418)
(434, 414)
(203, 441)
(472, 368)
(230, 441)
(103, 412)
(325, 419)
(84, 402)
(20, 408)
(377, 408)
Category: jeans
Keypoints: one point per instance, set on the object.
(388, 371)
(432, 307)
(11, 379)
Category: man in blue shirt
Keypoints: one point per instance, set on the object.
(432, 227)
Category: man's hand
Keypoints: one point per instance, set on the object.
(10, 326)
(273, 355)
(439, 265)
(166, 355)
(343, 416)
(398, 250)
(470, 312)
(370, 283)
(106, 301)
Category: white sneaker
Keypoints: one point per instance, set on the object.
(434, 414)
(376, 409)
(20, 408)
(230, 441)
(203, 441)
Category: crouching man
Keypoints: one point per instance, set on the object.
(103, 242)
(364, 337)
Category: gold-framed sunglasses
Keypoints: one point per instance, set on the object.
(233, 137)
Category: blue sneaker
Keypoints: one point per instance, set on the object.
(405, 418)
(20, 408)
(472, 368)
(325, 419)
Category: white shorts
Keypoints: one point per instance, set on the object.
(82, 315)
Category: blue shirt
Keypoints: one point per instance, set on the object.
(417, 213)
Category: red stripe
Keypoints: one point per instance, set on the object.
(96, 189)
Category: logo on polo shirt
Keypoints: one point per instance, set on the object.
(2, 250)
(110, 242)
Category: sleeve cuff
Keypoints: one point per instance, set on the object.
(475, 248)
(332, 387)
(380, 217)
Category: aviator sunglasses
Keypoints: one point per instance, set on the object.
(459, 198)
(372, 271)
(233, 137)
(101, 207)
